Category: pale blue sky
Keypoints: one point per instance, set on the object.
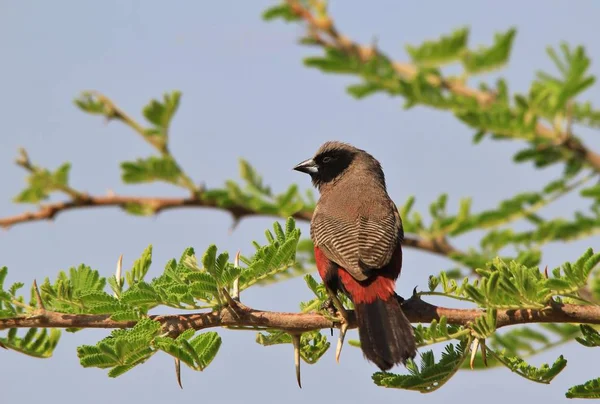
(246, 94)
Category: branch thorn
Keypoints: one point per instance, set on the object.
(234, 305)
(344, 325)
(38, 296)
(235, 293)
(296, 343)
(474, 352)
(340, 344)
(178, 372)
(483, 352)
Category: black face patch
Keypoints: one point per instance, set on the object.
(331, 163)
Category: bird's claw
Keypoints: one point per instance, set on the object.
(328, 307)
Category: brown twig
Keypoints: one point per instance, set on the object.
(157, 205)
(417, 311)
(324, 33)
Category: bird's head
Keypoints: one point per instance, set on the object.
(334, 159)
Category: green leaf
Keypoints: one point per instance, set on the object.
(209, 260)
(140, 267)
(500, 120)
(91, 104)
(61, 175)
(197, 353)
(142, 295)
(252, 178)
(122, 350)
(590, 389)
(485, 325)
(550, 94)
(478, 137)
(430, 376)
(590, 337)
(543, 374)
(486, 59)
(39, 343)
(151, 169)
(274, 259)
(585, 114)
(78, 292)
(283, 11)
(313, 345)
(591, 192)
(444, 50)
(437, 332)
(42, 182)
(160, 114)
(360, 91)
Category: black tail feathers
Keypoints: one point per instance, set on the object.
(386, 336)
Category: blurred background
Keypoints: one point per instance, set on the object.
(247, 94)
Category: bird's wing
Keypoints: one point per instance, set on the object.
(360, 243)
(378, 238)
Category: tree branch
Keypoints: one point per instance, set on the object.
(158, 204)
(417, 311)
(324, 32)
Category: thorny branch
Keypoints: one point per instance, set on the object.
(158, 204)
(417, 311)
(322, 30)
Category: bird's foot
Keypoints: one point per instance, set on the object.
(329, 308)
(329, 311)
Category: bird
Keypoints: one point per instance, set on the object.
(357, 234)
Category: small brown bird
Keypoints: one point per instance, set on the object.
(357, 232)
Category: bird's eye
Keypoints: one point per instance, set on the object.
(327, 159)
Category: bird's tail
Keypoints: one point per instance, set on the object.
(386, 336)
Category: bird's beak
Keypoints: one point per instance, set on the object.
(307, 166)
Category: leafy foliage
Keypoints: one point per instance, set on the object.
(122, 350)
(257, 197)
(10, 303)
(551, 94)
(39, 343)
(183, 284)
(446, 49)
(515, 286)
(42, 182)
(590, 389)
(151, 169)
(544, 374)
(524, 342)
(282, 11)
(313, 345)
(79, 291)
(197, 352)
(590, 337)
(431, 375)
(160, 114)
(438, 332)
(274, 258)
(486, 59)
